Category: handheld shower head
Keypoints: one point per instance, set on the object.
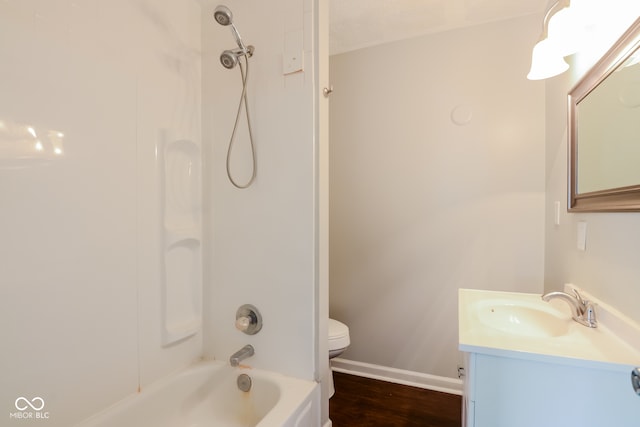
(229, 58)
(223, 15)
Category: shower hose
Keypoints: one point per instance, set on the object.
(244, 73)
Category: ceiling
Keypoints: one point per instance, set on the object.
(355, 24)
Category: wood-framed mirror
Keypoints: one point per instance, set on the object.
(604, 131)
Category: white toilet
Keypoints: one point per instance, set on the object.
(338, 343)
(338, 338)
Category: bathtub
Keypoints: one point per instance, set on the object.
(207, 394)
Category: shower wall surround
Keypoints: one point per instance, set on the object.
(261, 242)
(93, 95)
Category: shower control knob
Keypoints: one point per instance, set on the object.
(248, 319)
(243, 323)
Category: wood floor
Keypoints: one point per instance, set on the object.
(363, 402)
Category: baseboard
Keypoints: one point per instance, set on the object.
(398, 376)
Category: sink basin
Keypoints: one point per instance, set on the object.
(522, 325)
(522, 318)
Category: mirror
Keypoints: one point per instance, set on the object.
(604, 131)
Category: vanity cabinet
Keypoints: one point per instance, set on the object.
(507, 391)
(528, 364)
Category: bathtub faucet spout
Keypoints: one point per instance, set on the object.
(244, 353)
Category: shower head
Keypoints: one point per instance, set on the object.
(229, 58)
(223, 15)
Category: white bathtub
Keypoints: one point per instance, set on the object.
(206, 394)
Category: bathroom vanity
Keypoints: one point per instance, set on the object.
(527, 363)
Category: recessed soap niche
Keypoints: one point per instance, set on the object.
(179, 167)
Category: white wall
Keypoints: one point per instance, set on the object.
(421, 206)
(609, 267)
(263, 239)
(79, 253)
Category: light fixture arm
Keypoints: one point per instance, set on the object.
(555, 8)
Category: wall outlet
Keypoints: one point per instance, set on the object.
(582, 235)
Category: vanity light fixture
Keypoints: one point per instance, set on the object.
(546, 61)
(547, 58)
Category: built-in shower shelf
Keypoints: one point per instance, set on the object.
(181, 233)
(180, 332)
(175, 236)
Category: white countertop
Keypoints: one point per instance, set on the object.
(575, 344)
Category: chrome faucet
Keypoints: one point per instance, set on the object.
(582, 311)
(244, 353)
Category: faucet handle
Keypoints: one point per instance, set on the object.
(248, 319)
(579, 297)
(243, 323)
(590, 315)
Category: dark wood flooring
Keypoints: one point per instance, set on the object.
(363, 402)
